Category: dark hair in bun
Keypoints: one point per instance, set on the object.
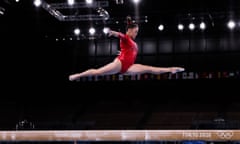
(130, 23)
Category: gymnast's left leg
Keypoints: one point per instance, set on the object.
(140, 69)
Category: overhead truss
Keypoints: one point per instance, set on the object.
(55, 9)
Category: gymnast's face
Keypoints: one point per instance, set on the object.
(132, 32)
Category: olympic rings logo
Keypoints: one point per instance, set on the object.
(225, 135)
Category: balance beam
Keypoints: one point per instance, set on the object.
(120, 135)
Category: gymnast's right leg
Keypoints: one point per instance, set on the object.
(111, 68)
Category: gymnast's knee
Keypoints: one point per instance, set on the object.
(94, 71)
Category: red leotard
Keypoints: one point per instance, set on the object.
(128, 53)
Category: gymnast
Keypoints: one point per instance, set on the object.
(124, 63)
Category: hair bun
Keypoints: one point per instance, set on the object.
(129, 20)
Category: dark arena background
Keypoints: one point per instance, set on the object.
(45, 41)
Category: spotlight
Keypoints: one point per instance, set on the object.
(37, 3)
(191, 26)
(2, 11)
(106, 30)
(89, 1)
(161, 27)
(136, 1)
(70, 2)
(146, 19)
(202, 26)
(231, 24)
(92, 31)
(119, 1)
(180, 27)
(77, 31)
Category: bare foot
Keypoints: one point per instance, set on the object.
(73, 77)
(176, 69)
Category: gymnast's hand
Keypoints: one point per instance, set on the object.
(112, 33)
